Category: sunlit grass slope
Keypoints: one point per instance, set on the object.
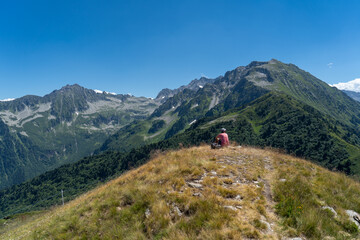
(198, 193)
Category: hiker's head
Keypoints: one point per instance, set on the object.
(223, 130)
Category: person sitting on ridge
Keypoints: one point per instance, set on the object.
(223, 138)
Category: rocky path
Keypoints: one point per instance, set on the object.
(243, 186)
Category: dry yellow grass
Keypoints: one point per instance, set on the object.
(197, 193)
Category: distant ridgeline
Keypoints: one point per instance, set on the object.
(266, 104)
(353, 95)
(38, 134)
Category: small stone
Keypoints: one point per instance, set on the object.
(238, 197)
(197, 194)
(230, 207)
(282, 180)
(177, 210)
(213, 173)
(118, 209)
(147, 213)
(268, 226)
(331, 209)
(194, 185)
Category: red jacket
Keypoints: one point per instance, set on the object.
(224, 138)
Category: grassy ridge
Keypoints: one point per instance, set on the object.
(196, 193)
(304, 194)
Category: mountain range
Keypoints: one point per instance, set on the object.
(264, 104)
(240, 88)
(42, 133)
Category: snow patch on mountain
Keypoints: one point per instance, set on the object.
(104, 92)
(192, 122)
(8, 100)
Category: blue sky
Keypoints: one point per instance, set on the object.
(140, 47)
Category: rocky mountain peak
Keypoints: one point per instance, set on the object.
(256, 64)
(194, 85)
(274, 61)
(70, 89)
(73, 87)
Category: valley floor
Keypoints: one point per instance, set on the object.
(199, 193)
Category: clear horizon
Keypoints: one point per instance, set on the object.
(141, 47)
